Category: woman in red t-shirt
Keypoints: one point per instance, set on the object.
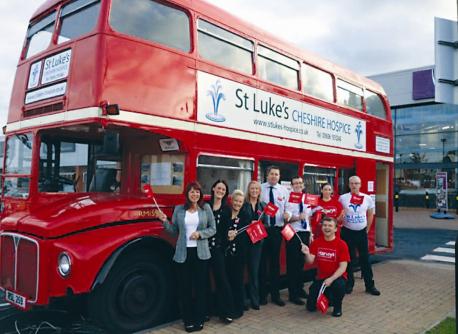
(327, 206)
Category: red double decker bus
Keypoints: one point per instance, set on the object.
(110, 95)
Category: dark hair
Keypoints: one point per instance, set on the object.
(212, 196)
(269, 168)
(193, 185)
(324, 185)
(329, 219)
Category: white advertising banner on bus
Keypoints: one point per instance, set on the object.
(233, 105)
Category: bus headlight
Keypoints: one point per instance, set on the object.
(64, 264)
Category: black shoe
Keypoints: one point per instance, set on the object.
(278, 301)
(373, 291)
(189, 328)
(198, 327)
(227, 320)
(263, 301)
(348, 290)
(207, 318)
(337, 312)
(255, 306)
(297, 301)
(246, 307)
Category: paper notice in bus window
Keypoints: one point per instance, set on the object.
(161, 174)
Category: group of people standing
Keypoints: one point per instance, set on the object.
(211, 242)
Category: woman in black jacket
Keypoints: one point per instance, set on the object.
(236, 250)
(253, 206)
(222, 212)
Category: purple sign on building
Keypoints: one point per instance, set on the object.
(422, 85)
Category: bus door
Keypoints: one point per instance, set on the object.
(382, 205)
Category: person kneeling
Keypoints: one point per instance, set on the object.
(331, 257)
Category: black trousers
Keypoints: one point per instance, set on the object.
(192, 284)
(235, 268)
(295, 261)
(335, 293)
(223, 291)
(270, 262)
(254, 262)
(357, 240)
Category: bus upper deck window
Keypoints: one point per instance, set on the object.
(349, 95)
(374, 104)
(153, 21)
(78, 18)
(39, 34)
(277, 68)
(317, 83)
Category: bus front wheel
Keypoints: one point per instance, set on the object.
(135, 295)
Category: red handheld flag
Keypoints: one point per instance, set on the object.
(288, 232)
(356, 199)
(256, 231)
(295, 198)
(322, 302)
(311, 200)
(270, 209)
(148, 190)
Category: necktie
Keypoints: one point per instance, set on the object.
(301, 209)
(272, 200)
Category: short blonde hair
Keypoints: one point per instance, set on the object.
(237, 193)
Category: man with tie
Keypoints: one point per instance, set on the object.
(359, 214)
(273, 192)
(298, 215)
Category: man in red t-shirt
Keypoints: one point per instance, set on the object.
(331, 256)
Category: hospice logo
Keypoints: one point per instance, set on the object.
(359, 132)
(217, 95)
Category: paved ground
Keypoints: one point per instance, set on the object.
(421, 219)
(415, 296)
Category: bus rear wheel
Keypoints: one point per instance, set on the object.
(135, 295)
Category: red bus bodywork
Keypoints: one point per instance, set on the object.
(156, 90)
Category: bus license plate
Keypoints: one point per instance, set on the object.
(15, 299)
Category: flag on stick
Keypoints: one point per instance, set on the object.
(270, 209)
(148, 190)
(311, 200)
(256, 231)
(295, 198)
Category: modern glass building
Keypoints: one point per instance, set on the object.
(426, 137)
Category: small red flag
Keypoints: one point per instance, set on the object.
(148, 190)
(295, 198)
(270, 209)
(356, 199)
(311, 200)
(256, 231)
(322, 302)
(288, 232)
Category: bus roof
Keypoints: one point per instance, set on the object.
(243, 27)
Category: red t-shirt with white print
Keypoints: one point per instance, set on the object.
(328, 255)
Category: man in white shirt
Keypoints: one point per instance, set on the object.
(359, 214)
(272, 191)
(298, 215)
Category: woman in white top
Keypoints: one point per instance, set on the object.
(194, 223)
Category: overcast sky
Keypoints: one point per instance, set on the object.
(369, 37)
